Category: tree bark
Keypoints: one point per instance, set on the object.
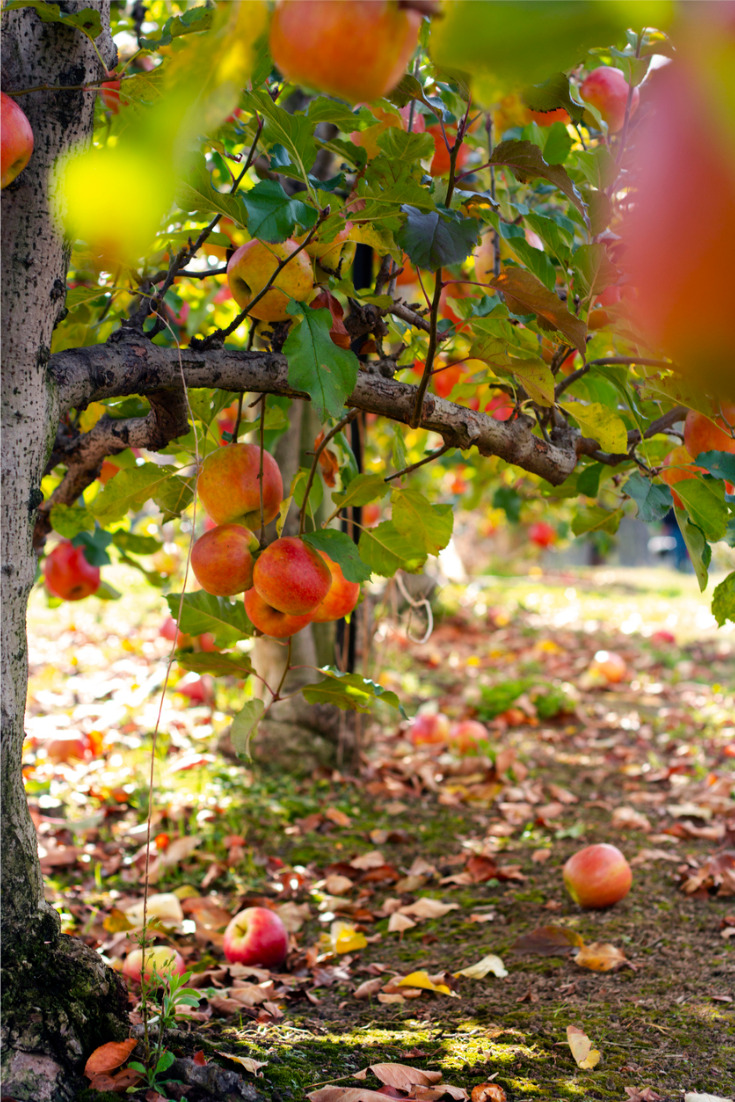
(45, 1025)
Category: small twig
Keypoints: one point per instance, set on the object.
(312, 473)
(421, 462)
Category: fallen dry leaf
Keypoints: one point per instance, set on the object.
(548, 941)
(600, 956)
(645, 1095)
(400, 1075)
(489, 964)
(345, 1094)
(488, 1092)
(369, 988)
(108, 1057)
(246, 1062)
(585, 1056)
(398, 922)
(428, 908)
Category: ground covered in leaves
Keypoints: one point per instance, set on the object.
(432, 938)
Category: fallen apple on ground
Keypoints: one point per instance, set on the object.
(597, 876)
(610, 666)
(256, 936)
(429, 729)
(160, 958)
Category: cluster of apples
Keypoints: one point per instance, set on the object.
(286, 585)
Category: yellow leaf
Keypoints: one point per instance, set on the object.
(584, 1054)
(91, 415)
(422, 980)
(489, 964)
(601, 424)
(345, 938)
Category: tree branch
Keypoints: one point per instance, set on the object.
(83, 454)
(132, 366)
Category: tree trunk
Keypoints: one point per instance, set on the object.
(59, 1000)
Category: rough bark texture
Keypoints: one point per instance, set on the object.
(133, 366)
(60, 1020)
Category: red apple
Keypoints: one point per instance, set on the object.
(256, 936)
(542, 534)
(429, 729)
(547, 118)
(468, 735)
(196, 689)
(164, 960)
(229, 485)
(107, 471)
(271, 621)
(110, 94)
(322, 44)
(597, 876)
(292, 576)
(704, 435)
(250, 268)
(663, 636)
(170, 631)
(68, 574)
(441, 161)
(222, 560)
(16, 140)
(607, 89)
(678, 467)
(341, 597)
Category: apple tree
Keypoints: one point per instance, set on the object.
(178, 253)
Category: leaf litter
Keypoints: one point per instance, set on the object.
(644, 764)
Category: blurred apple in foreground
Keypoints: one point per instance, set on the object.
(159, 957)
(597, 876)
(683, 172)
(256, 936)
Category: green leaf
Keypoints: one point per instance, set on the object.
(386, 550)
(195, 193)
(220, 665)
(95, 545)
(128, 491)
(723, 600)
(594, 518)
(244, 725)
(699, 550)
(526, 162)
(86, 19)
(594, 269)
(496, 699)
(295, 133)
(173, 496)
(409, 148)
(653, 502)
(525, 294)
(341, 548)
(316, 364)
(195, 18)
(272, 214)
(201, 613)
(350, 692)
(437, 238)
(363, 489)
(427, 526)
(719, 464)
(600, 423)
(551, 94)
(69, 520)
(130, 543)
(705, 503)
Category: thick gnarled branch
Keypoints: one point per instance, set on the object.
(83, 454)
(135, 366)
